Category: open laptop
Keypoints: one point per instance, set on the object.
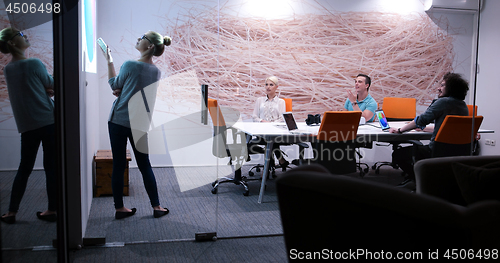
(382, 120)
(292, 125)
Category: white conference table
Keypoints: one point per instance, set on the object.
(277, 132)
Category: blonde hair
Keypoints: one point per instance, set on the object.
(160, 42)
(5, 35)
(274, 79)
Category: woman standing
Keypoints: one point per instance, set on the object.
(133, 78)
(30, 87)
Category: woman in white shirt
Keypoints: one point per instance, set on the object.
(270, 108)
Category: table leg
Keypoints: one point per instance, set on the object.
(265, 174)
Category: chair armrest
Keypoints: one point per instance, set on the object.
(236, 133)
(303, 145)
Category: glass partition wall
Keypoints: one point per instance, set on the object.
(313, 48)
(27, 119)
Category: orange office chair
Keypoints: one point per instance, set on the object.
(471, 108)
(454, 136)
(221, 148)
(397, 109)
(334, 147)
(288, 103)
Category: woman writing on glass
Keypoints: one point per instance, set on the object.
(134, 78)
(30, 87)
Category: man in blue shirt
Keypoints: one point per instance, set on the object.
(361, 101)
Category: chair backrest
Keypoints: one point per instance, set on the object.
(215, 113)
(399, 108)
(470, 110)
(457, 129)
(454, 136)
(339, 126)
(288, 103)
(339, 206)
(219, 141)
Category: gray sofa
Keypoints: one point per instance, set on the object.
(334, 212)
(435, 176)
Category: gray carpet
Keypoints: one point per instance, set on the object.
(197, 210)
(28, 231)
(247, 231)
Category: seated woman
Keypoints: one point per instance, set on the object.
(269, 109)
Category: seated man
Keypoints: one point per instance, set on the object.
(450, 101)
(361, 101)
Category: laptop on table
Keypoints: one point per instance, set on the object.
(292, 125)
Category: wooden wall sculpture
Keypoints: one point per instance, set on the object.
(316, 57)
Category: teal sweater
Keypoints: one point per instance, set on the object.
(27, 80)
(133, 77)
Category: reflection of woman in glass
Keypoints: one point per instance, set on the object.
(383, 121)
(30, 87)
(133, 78)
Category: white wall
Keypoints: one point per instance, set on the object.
(89, 131)
(488, 86)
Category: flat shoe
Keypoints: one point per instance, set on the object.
(48, 218)
(8, 219)
(122, 215)
(159, 213)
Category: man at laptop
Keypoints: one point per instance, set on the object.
(450, 101)
(269, 109)
(361, 100)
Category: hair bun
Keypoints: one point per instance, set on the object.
(3, 47)
(167, 41)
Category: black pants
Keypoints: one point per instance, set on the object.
(30, 142)
(403, 157)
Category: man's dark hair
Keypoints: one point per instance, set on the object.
(368, 80)
(456, 86)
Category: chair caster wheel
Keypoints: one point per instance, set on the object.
(257, 169)
(246, 193)
(374, 167)
(214, 191)
(250, 173)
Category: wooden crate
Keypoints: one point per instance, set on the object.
(103, 169)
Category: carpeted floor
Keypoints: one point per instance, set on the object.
(247, 231)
